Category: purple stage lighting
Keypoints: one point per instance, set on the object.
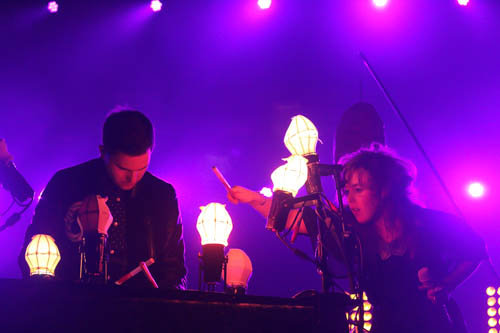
(463, 2)
(264, 4)
(380, 3)
(156, 5)
(53, 7)
(476, 190)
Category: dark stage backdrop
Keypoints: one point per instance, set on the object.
(221, 80)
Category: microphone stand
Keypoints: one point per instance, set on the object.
(346, 242)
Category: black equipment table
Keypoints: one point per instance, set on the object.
(54, 306)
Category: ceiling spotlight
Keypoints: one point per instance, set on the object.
(156, 5)
(380, 3)
(476, 190)
(264, 4)
(53, 7)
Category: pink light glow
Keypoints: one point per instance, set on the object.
(156, 5)
(53, 7)
(463, 2)
(380, 3)
(264, 4)
(476, 190)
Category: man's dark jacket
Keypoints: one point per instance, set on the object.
(153, 223)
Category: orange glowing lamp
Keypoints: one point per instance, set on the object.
(239, 269)
(301, 136)
(42, 255)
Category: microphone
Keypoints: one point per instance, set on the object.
(15, 183)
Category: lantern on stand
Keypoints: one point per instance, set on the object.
(301, 139)
(287, 180)
(214, 226)
(94, 219)
(42, 256)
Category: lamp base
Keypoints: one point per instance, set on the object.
(212, 263)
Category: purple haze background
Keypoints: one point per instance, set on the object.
(221, 80)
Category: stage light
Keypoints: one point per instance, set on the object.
(267, 192)
(367, 315)
(490, 291)
(493, 330)
(492, 312)
(492, 301)
(53, 7)
(475, 190)
(264, 4)
(463, 2)
(492, 322)
(156, 5)
(380, 3)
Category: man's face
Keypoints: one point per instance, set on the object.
(125, 170)
(363, 199)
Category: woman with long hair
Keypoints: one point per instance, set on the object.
(413, 257)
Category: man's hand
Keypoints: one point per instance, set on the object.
(5, 156)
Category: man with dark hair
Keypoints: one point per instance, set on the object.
(146, 220)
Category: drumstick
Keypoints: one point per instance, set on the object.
(146, 271)
(221, 178)
(134, 272)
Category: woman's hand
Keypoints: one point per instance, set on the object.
(240, 194)
(436, 292)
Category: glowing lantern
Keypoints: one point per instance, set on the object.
(239, 269)
(214, 224)
(301, 136)
(42, 255)
(291, 176)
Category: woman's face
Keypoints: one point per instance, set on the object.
(362, 197)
